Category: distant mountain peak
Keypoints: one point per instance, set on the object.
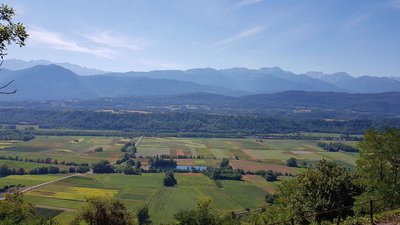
(17, 64)
(342, 74)
(274, 68)
(315, 74)
(201, 69)
(276, 71)
(50, 67)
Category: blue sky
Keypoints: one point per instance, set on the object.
(361, 37)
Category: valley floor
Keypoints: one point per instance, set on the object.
(65, 194)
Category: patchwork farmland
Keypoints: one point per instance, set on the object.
(68, 195)
(246, 154)
(145, 190)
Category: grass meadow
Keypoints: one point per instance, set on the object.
(64, 148)
(28, 180)
(147, 190)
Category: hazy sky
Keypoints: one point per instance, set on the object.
(361, 37)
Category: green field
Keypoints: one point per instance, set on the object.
(147, 189)
(64, 148)
(27, 165)
(28, 180)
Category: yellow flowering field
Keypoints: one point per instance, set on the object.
(73, 193)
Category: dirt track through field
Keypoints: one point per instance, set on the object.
(137, 143)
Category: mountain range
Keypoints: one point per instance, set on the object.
(41, 80)
(17, 64)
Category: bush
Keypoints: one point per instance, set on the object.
(71, 170)
(82, 169)
(271, 176)
(99, 149)
(292, 162)
(224, 162)
(270, 198)
(143, 216)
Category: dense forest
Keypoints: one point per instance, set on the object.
(186, 122)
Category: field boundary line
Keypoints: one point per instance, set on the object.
(54, 207)
(156, 193)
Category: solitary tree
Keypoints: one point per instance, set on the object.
(292, 162)
(169, 179)
(10, 32)
(143, 216)
(224, 163)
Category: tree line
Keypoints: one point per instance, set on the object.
(46, 160)
(6, 171)
(6, 135)
(337, 146)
